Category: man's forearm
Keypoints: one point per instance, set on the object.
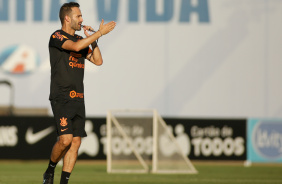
(81, 44)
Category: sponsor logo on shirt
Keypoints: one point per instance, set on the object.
(76, 65)
(74, 60)
(59, 36)
(74, 94)
(76, 55)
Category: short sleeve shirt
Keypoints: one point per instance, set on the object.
(67, 68)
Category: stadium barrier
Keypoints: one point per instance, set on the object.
(201, 139)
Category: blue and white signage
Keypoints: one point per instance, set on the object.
(264, 140)
(181, 57)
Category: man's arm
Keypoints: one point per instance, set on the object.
(83, 43)
(95, 56)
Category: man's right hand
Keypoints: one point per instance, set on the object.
(105, 29)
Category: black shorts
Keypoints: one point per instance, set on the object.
(69, 117)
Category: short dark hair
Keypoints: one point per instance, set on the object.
(66, 10)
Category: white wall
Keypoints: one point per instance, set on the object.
(229, 66)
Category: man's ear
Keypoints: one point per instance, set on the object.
(67, 18)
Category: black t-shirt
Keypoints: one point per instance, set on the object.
(67, 68)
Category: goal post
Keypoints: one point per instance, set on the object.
(163, 162)
(139, 141)
(141, 165)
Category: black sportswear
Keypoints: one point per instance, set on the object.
(67, 68)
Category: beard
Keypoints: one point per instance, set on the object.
(75, 25)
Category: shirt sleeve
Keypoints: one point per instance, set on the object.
(89, 51)
(57, 40)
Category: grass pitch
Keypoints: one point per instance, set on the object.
(30, 172)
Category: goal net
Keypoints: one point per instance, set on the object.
(139, 141)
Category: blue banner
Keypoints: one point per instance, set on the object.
(264, 140)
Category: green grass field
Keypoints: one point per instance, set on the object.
(30, 172)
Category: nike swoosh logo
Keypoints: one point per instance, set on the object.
(62, 130)
(32, 138)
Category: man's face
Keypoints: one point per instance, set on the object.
(76, 19)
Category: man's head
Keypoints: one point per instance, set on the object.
(71, 14)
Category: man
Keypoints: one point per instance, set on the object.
(67, 53)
